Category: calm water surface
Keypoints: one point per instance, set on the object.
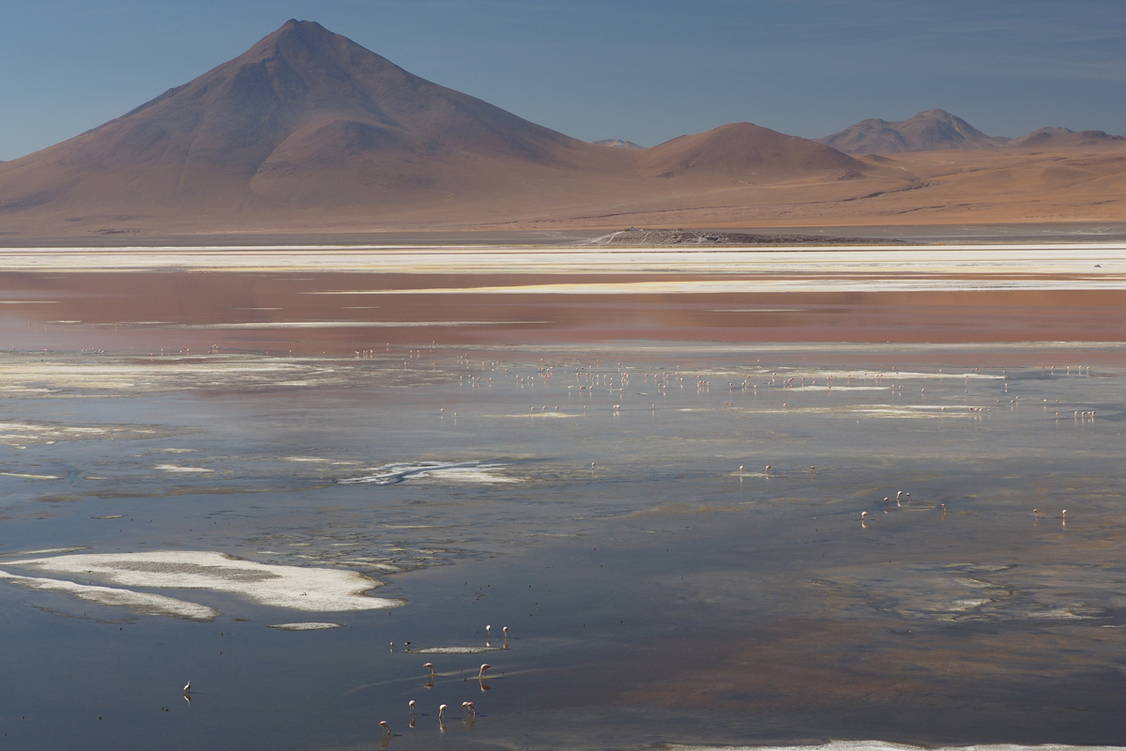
(660, 596)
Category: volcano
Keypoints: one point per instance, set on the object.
(305, 120)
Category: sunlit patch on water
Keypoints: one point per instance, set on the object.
(452, 472)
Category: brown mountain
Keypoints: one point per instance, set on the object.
(309, 132)
(743, 152)
(926, 131)
(304, 118)
(1052, 138)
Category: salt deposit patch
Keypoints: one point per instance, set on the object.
(1016, 258)
(961, 592)
(351, 324)
(19, 434)
(455, 650)
(139, 602)
(544, 415)
(885, 746)
(916, 411)
(84, 374)
(886, 375)
(456, 472)
(990, 281)
(47, 551)
(180, 469)
(26, 476)
(838, 388)
(294, 587)
(758, 310)
(306, 626)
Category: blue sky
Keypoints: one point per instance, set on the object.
(646, 70)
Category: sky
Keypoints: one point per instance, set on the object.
(643, 70)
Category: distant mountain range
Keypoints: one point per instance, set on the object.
(926, 131)
(938, 129)
(307, 128)
(1050, 138)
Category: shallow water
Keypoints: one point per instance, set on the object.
(609, 502)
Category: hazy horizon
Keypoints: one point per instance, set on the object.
(644, 72)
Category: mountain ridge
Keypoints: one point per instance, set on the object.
(306, 120)
(1057, 137)
(308, 131)
(928, 130)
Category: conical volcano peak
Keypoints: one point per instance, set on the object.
(305, 117)
(307, 31)
(295, 37)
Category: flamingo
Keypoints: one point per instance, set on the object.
(188, 687)
(386, 727)
(481, 672)
(470, 708)
(430, 667)
(441, 712)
